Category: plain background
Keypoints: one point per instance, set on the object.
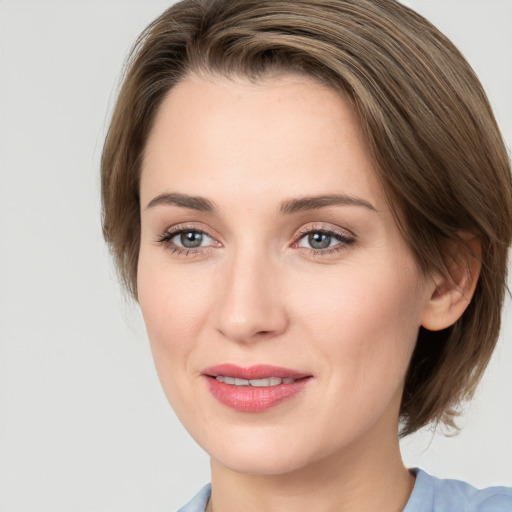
(84, 425)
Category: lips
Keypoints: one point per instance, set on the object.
(254, 388)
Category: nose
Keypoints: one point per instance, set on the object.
(250, 304)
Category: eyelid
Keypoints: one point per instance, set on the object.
(324, 228)
(169, 233)
(345, 237)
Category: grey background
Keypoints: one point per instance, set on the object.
(84, 425)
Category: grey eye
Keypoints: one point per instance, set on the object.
(191, 239)
(319, 240)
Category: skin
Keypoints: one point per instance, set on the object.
(256, 292)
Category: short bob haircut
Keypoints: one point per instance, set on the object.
(430, 131)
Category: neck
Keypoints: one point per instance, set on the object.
(354, 480)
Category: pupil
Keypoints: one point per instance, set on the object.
(191, 239)
(319, 240)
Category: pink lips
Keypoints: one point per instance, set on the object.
(249, 398)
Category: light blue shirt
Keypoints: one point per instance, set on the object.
(430, 494)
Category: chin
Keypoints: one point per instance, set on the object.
(261, 454)
(257, 462)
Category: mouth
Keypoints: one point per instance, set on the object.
(254, 388)
(253, 373)
(257, 383)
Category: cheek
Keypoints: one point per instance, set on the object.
(363, 329)
(174, 309)
(366, 321)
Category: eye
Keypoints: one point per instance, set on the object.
(324, 240)
(190, 239)
(318, 240)
(186, 240)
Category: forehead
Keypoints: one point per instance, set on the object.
(281, 133)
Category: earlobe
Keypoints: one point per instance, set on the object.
(453, 290)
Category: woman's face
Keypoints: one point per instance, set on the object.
(269, 255)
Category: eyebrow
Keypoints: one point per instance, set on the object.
(185, 201)
(314, 202)
(288, 207)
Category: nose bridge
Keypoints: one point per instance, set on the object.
(249, 305)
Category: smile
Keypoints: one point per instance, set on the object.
(258, 383)
(254, 388)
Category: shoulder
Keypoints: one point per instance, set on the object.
(199, 501)
(431, 494)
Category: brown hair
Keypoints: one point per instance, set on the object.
(428, 124)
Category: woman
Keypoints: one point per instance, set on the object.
(312, 204)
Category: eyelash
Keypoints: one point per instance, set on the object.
(166, 237)
(345, 239)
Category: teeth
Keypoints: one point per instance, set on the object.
(258, 383)
(272, 381)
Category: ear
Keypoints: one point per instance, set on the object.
(453, 290)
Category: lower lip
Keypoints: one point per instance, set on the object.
(254, 399)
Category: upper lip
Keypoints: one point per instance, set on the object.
(258, 371)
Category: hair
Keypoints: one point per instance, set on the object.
(428, 125)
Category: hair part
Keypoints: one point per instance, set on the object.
(430, 131)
